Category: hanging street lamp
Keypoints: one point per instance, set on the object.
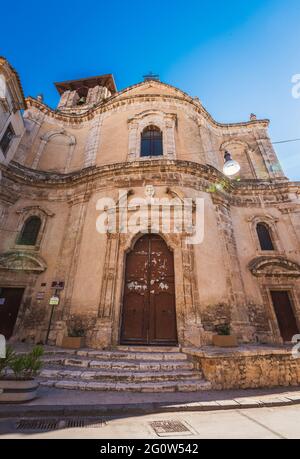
(231, 167)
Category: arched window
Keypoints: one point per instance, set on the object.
(151, 143)
(264, 237)
(30, 231)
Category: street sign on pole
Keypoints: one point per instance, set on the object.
(54, 301)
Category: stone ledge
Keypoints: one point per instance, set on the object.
(211, 352)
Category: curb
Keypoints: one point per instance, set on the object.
(12, 411)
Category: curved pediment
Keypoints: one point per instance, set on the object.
(274, 266)
(22, 261)
(150, 88)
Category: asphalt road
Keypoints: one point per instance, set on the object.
(261, 423)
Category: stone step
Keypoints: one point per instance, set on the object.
(148, 349)
(118, 355)
(108, 355)
(172, 386)
(103, 376)
(126, 368)
(119, 365)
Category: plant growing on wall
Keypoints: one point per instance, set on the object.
(76, 332)
(223, 330)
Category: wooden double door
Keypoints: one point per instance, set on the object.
(10, 301)
(149, 312)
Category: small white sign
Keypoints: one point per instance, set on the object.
(2, 301)
(54, 301)
(2, 347)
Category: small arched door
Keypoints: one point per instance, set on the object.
(149, 313)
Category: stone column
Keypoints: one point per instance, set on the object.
(267, 151)
(39, 154)
(207, 146)
(133, 149)
(169, 141)
(70, 156)
(237, 296)
(252, 164)
(102, 335)
(92, 142)
(109, 275)
(193, 329)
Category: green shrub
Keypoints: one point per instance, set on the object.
(6, 362)
(27, 366)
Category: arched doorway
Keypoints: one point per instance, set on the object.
(149, 313)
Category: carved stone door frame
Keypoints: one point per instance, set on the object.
(189, 325)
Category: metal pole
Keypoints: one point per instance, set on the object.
(49, 325)
(50, 320)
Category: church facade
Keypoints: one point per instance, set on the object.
(72, 183)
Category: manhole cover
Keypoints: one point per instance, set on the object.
(169, 428)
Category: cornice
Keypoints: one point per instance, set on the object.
(124, 168)
(119, 100)
(255, 186)
(212, 180)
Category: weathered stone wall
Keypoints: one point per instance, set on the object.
(251, 372)
(215, 315)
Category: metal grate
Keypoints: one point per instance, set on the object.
(37, 424)
(52, 424)
(172, 427)
(84, 423)
(73, 423)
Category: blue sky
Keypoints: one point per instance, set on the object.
(237, 56)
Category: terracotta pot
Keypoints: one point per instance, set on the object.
(70, 342)
(225, 341)
(13, 391)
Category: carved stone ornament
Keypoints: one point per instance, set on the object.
(22, 261)
(274, 266)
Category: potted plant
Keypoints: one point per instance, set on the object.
(17, 375)
(75, 338)
(224, 338)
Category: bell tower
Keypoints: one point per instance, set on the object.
(80, 95)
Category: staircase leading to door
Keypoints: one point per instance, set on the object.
(128, 369)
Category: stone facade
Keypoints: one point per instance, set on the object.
(69, 158)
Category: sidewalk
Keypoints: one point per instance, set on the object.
(56, 402)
